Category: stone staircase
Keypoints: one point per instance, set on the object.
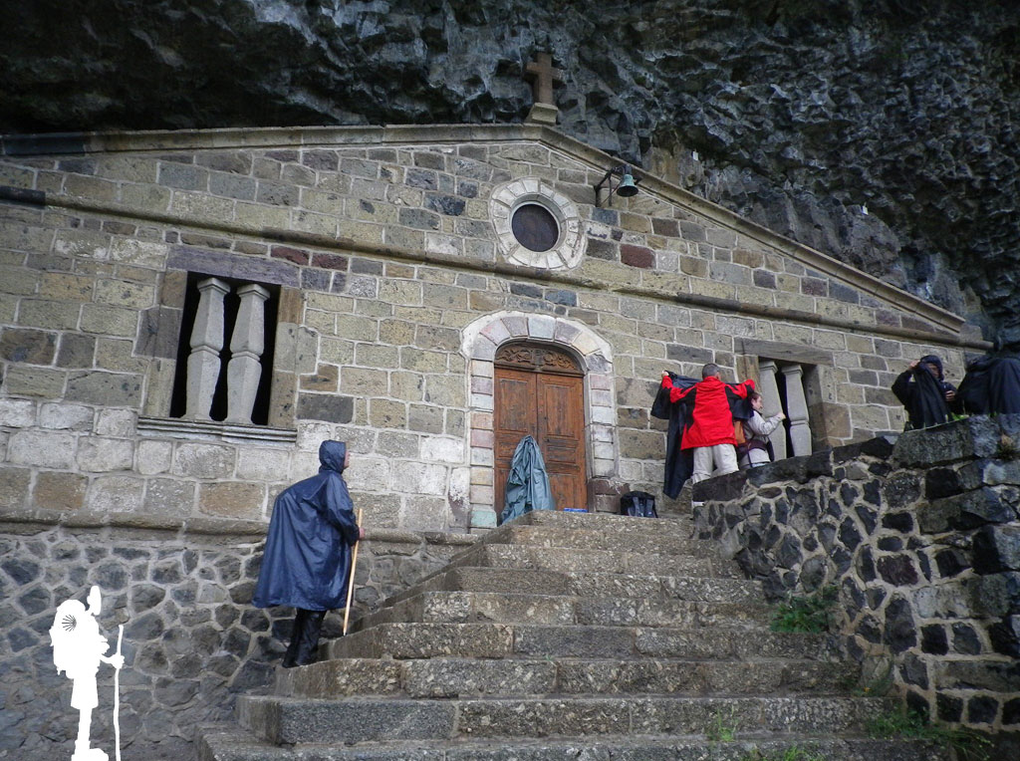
(568, 636)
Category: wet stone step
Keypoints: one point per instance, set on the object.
(467, 607)
(587, 584)
(219, 744)
(597, 561)
(353, 720)
(661, 542)
(426, 640)
(607, 521)
(520, 677)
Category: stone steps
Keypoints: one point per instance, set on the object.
(538, 677)
(473, 607)
(487, 640)
(225, 745)
(561, 636)
(283, 720)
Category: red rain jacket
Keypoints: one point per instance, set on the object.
(711, 421)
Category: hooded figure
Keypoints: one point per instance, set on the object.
(924, 393)
(308, 551)
(991, 385)
(527, 486)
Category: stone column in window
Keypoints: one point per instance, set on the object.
(246, 346)
(796, 409)
(206, 342)
(769, 389)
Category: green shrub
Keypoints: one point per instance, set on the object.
(808, 614)
(792, 753)
(969, 745)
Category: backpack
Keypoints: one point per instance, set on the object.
(639, 504)
(741, 436)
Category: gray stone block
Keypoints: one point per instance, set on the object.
(293, 720)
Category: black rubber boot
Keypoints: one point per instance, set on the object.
(308, 637)
(296, 633)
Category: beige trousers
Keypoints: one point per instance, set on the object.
(723, 455)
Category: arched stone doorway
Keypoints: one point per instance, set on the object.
(593, 356)
(538, 392)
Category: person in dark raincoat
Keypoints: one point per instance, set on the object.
(924, 392)
(991, 385)
(527, 486)
(308, 551)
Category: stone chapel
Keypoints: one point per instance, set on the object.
(185, 316)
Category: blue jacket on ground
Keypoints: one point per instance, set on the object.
(308, 547)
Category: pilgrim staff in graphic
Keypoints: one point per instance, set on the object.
(78, 650)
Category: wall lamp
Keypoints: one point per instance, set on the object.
(626, 185)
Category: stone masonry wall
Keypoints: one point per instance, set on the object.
(382, 243)
(191, 639)
(921, 534)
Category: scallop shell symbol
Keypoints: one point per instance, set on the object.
(69, 623)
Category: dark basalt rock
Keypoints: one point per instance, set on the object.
(801, 113)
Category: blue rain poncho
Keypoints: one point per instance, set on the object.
(308, 547)
(527, 486)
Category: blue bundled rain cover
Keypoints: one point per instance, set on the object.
(527, 486)
(308, 547)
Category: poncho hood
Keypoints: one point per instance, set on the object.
(932, 359)
(331, 456)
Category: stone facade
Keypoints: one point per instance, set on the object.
(922, 538)
(387, 252)
(396, 279)
(192, 641)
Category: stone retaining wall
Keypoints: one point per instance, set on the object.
(191, 642)
(921, 533)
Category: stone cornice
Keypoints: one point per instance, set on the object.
(403, 134)
(32, 521)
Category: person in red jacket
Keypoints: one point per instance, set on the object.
(709, 431)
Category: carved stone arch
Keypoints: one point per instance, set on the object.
(479, 343)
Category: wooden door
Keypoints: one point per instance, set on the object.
(539, 392)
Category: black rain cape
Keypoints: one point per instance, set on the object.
(991, 385)
(308, 547)
(680, 462)
(924, 397)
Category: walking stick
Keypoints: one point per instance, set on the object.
(350, 582)
(116, 695)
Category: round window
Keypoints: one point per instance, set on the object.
(535, 227)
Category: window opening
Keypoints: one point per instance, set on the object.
(535, 227)
(224, 357)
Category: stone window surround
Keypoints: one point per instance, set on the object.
(480, 341)
(156, 404)
(507, 198)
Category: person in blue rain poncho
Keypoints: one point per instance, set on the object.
(308, 551)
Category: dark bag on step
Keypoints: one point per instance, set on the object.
(638, 504)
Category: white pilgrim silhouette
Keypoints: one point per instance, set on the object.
(78, 650)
